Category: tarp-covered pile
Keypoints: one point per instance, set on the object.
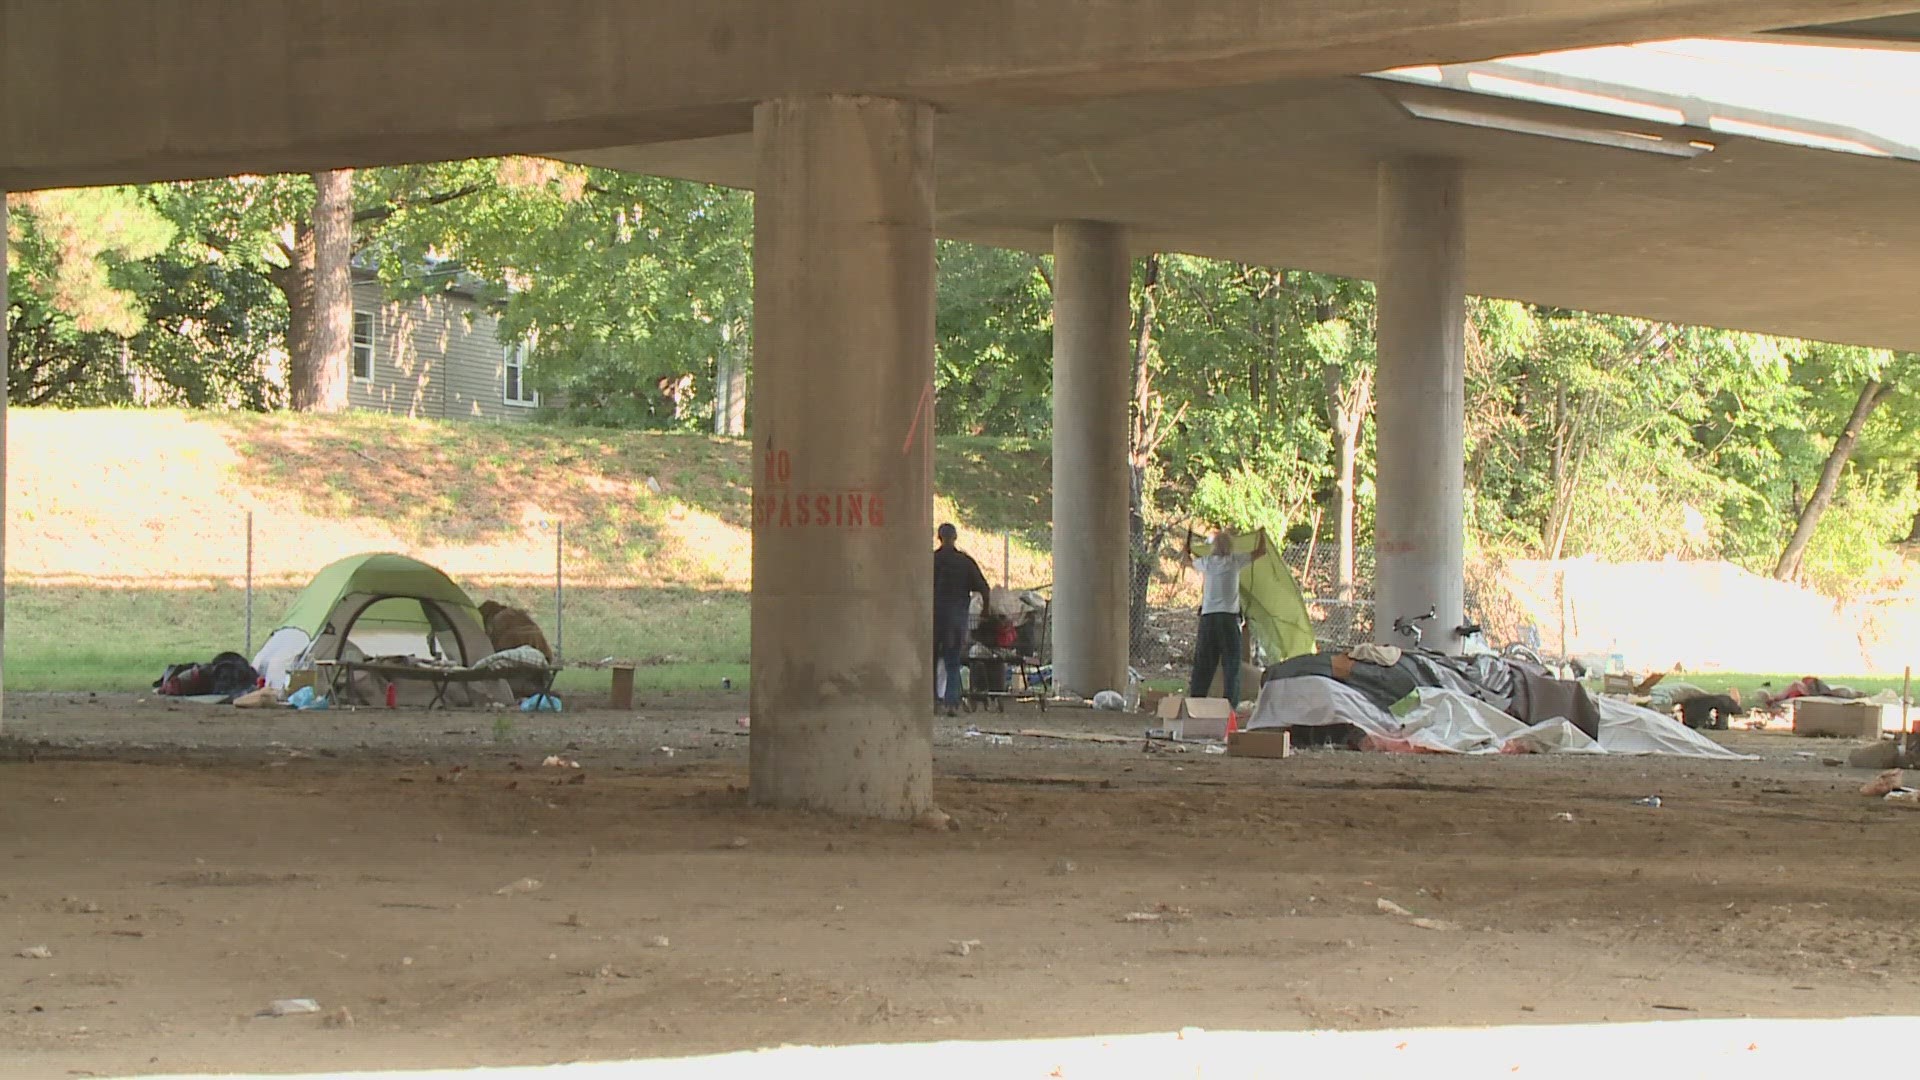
(1425, 704)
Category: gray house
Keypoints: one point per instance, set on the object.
(434, 356)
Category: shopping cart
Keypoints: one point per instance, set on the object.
(1009, 661)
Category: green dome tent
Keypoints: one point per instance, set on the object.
(380, 605)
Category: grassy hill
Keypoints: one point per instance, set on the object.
(128, 537)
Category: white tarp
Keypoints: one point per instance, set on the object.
(1450, 722)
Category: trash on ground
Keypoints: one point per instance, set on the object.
(35, 952)
(667, 750)
(1905, 796)
(1878, 755)
(1213, 748)
(1109, 701)
(555, 761)
(1162, 913)
(1884, 784)
(292, 1007)
(524, 885)
(1433, 924)
(659, 941)
(304, 698)
(963, 948)
(935, 820)
(999, 740)
(1388, 907)
(540, 703)
(1652, 801)
(1563, 816)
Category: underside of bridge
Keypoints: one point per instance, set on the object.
(1234, 128)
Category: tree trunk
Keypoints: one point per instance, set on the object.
(1913, 534)
(1145, 439)
(730, 385)
(1347, 406)
(1870, 397)
(320, 299)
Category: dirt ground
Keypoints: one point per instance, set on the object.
(184, 866)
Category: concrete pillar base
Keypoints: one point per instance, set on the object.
(1419, 516)
(843, 456)
(1092, 275)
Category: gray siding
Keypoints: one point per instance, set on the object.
(433, 356)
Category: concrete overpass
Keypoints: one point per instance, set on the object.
(1094, 128)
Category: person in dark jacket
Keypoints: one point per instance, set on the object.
(956, 577)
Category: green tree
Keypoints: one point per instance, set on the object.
(75, 287)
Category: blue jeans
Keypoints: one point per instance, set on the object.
(1219, 644)
(949, 648)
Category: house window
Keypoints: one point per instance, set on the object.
(517, 391)
(363, 345)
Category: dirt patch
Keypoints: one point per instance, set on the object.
(184, 869)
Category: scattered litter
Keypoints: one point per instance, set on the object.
(1879, 755)
(35, 952)
(524, 885)
(1161, 913)
(1832, 762)
(1652, 801)
(1563, 816)
(659, 941)
(1213, 748)
(971, 732)
(292, 1007)
(999, 740)
(1905, 796)
(935, 820)
(1388, 907)
(257, 699)
(1433, 924)
(1884, 784)
(745, 723)
(963, 948)
(304, 698)
(540, 703)
(555, 761)
(667, 750)
(1109, 701)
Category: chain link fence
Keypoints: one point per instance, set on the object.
(1163, 627)
(107, 605)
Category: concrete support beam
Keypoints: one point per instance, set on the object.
(1091, 275)
(1419, 526)
(121, 91)
(843, 456)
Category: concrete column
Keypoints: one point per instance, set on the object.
(842, 691)
(1419, 515)
(1091, 377)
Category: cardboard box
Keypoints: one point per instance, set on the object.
(1202, 718)
(301, 678)
(1150, 700)
(1260, 744)
(1832, 718)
